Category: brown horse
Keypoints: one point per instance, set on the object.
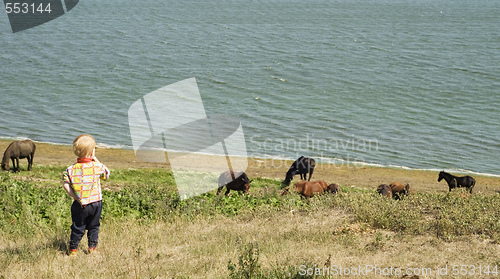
(18, 150)
(399, 190)
(308, 188)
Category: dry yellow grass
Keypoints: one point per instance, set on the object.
(201, 248)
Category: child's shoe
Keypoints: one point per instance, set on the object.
(72, 252)
(92, 250)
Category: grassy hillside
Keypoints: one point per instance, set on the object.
(148, 232)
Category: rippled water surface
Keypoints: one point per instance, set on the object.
(394, 83)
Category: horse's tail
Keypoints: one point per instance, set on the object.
(473, 183)
(33, 148)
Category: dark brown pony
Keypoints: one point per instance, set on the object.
(301, 166)
(384, 190)
(334, 188)
(457, 181)
(234, 181)
(18, 150)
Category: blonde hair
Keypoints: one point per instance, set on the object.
(83, 146)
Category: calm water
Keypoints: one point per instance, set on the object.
(394, 83)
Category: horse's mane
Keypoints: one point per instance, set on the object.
(445, 174)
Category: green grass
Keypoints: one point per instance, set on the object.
(34, 206)
(35, 203)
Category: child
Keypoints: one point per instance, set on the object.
(82, 182)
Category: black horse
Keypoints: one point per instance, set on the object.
(456, 181)
(301, 166)
(234, 181)
(18, 150)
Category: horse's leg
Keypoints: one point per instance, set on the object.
(227, 191)
(30, 161)
(17, 169)
(311, 174)
(452, 183)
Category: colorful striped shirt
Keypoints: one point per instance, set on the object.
(85, 179)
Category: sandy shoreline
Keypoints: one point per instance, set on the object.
(346, 175)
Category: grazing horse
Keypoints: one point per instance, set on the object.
(384, 190)
(234, 181)
(308, 189)
(457, 181)
(18, 150)
(399, 190)
(301, 166)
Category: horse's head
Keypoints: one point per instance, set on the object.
(333, 188)
(441, 176)
(287, 181)
(407, 189)
(289, 175)
(5, 166)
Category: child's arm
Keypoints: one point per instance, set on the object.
(105, 174)
(70, 190)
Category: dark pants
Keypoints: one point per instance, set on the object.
(85, 218)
